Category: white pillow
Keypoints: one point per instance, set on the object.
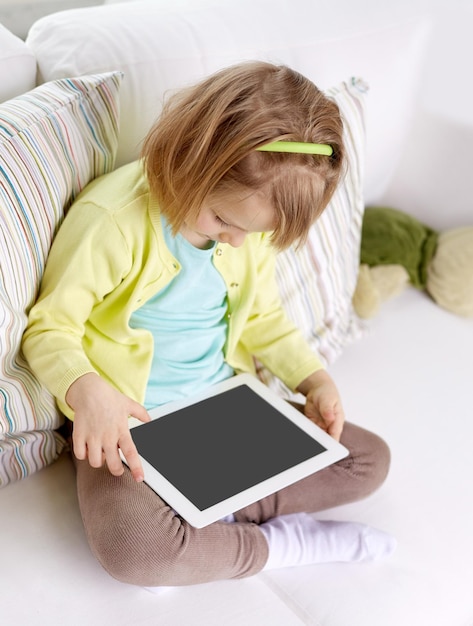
(17, 66)
(53, 141)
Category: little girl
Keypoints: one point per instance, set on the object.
(161, 282)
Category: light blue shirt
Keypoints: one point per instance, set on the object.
(188, 324)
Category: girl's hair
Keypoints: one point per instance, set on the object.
(203, 146)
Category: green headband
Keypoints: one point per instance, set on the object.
(298, 147)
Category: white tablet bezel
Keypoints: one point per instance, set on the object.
(334, 451)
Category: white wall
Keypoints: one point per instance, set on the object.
(436, 172)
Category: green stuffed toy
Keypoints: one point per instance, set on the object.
(398, 250)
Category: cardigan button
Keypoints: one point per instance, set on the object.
(218, 252)
(234, 284)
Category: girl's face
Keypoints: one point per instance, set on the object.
(230, 221)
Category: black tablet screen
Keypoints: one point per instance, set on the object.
(220, 446)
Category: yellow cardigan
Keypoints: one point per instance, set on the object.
(107, 259)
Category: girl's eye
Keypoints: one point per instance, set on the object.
(221, 222)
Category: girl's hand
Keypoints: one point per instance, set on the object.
(323, 404)
(101, 425)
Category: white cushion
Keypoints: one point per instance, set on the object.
(161, 46)
(17, 66)
(53, 141)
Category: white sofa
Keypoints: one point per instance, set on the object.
(406, 375)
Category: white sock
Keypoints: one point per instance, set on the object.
(299, 539)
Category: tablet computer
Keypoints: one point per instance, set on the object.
(235, 443)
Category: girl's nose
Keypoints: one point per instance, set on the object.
(235, 238)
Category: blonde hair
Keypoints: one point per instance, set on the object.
(203, 146)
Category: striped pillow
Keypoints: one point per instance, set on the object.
(317, 281)
(53, 141)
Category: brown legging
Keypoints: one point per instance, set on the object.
(140, 540)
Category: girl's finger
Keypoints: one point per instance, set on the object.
(79, 447)
(113, 460)
(132, 457)
(95, 454)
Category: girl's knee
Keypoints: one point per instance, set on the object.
(381, 455)
(138, 553)
(373, 459)
(133, 534)
(369, 460)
